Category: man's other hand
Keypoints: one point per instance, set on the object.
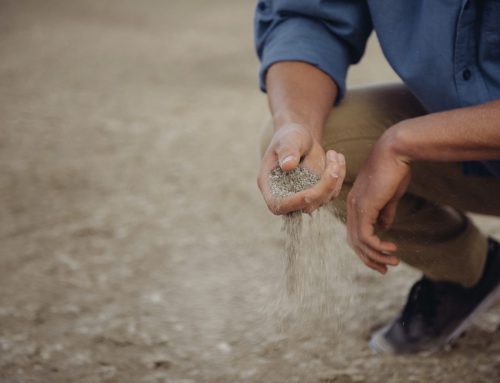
(372, 202)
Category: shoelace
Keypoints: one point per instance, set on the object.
(422, 302)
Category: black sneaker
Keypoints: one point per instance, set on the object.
(438, 312)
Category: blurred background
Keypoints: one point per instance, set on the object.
(134, 245)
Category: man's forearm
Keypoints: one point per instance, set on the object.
(466, 134)
(300, 93)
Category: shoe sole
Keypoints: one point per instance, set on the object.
(482, 307)
(379, 345)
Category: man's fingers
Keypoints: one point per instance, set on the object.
(296, 202)
(353, 242)
(330, 183)
(341, 168)
(359, 240)
(380, 258)
(367, 256)
(387, 215)
(335, 170)
(367, 235)
(382, 269)
(377, 244)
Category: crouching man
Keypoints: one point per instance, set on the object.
(402, 162)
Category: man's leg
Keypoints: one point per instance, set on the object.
(461, 268)
(431, 230)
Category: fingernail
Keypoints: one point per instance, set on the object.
(341, 159)
(331, 156)
(285, 160)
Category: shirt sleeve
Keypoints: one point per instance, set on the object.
(329, 34)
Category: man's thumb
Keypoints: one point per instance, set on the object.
(288, 158)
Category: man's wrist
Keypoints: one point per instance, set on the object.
(396, 141)
(289, 121)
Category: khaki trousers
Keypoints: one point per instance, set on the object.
(431, 229)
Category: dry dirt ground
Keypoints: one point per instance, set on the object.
(134, 244)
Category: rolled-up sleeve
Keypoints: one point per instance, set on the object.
(329, 34)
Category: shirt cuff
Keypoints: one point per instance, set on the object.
(305, 40)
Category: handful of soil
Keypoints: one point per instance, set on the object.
(284, 184)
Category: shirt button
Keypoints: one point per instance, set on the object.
(466, 74)
(262, 6)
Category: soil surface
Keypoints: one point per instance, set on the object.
(135, 246)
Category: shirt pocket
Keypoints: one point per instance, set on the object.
(491, 29)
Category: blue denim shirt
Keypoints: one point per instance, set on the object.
(446, 51)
